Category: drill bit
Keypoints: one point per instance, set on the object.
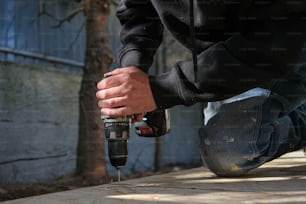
(118, 174)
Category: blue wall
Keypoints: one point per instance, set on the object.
(27, 25)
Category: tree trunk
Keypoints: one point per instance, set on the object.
(91, 163)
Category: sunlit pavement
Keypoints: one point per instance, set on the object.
(280, 181)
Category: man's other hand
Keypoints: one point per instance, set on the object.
(125, 91)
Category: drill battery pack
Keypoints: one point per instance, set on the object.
(154, 124)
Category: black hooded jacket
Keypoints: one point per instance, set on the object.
(239, 44)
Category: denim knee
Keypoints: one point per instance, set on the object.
(216, 158)
(243, 133)
(230, 135)
(230, 149)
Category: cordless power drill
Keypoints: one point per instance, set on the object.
(117, 133)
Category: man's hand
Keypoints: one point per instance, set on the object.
(125, 91)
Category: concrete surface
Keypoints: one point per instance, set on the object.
(280, 181)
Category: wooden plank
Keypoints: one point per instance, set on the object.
(280, 181)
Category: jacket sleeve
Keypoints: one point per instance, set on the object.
(140, 35)
(267, 51)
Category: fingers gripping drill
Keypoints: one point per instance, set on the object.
(117, 133)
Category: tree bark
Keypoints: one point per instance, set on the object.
(91, 163)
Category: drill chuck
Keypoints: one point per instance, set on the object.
(117, 133)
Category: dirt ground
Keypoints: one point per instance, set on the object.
(10, 192)
(70, 182)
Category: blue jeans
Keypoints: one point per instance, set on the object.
(245, 131)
